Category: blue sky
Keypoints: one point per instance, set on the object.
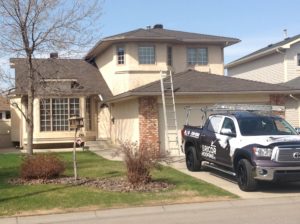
(257, 23)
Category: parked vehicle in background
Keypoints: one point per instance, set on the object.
(245, 141)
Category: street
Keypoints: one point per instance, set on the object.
(271, 210)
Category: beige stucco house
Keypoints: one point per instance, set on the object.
(124, 86)
(277, 63)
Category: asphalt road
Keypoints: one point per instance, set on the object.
(272, 210)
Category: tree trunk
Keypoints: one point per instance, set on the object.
(29, 124)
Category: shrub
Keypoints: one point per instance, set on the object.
(139, 160)
(41, 166)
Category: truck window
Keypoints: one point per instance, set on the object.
(214, 124)
(229, 124)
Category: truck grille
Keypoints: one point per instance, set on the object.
(288, 154)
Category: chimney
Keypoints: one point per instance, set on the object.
(158, 26)
(54, 55)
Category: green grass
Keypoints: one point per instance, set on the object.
(29, 199)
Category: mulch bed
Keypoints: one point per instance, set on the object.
(115, 184)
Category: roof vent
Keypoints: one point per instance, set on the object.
(148, 27)
(158, 26)
(54, 55)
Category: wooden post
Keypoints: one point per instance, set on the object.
(74, 156)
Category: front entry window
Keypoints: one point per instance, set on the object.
(55, 113)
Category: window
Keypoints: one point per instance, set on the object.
(146, 55)
(197, 56)
(88, 120)
(121, 55)
(214, 124)
(169, 56)
(1, 117)
(298, 59)
(7, 115)
(228, 124)
(55, 113)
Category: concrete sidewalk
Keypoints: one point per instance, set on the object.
(210, 212)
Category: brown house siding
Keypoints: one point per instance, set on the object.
(148, 123)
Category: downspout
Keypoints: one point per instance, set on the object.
(294, 98)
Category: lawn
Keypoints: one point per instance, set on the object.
(30, 199)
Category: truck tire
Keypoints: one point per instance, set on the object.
(192, 163)
(245, 177)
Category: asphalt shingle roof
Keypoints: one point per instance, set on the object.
(270, 47)
(196, 83)
(88, 77)
(160, 34)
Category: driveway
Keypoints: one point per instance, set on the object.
(267, 190)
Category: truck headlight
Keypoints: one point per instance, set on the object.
(262, 152)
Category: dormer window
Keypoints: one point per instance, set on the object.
(121, 55)
(146, 55)
(197, 56)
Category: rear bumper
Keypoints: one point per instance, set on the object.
(277, 173)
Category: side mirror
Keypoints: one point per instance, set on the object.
(227, 131)
(298, 130)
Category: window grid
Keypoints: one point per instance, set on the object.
(121, 55)
(146, 55)
(45, 115)
(60, 114)
(197, 56)
(55, 113)
(88, 120)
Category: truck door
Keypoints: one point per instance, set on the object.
(227, 132)
(209, 138)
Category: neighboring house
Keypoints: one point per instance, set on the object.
(277, 63)
(124, 71)
(5, 126)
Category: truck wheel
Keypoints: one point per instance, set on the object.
(245, 177)
(192, 163)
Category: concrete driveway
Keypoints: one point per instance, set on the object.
(266, 190)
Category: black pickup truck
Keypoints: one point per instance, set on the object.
(251, 146)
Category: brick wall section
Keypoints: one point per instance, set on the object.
(148, 123)
(278, 100)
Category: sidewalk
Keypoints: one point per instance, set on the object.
(167, 213)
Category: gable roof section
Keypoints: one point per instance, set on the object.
(294, 83)
(159, 34)
(198, 83)
(58, 71)
(272, 48)
(4, 104)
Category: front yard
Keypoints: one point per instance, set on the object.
(42, 198)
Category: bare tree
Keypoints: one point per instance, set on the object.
(32, 28)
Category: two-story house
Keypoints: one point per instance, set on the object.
(277, 63)
(116, 88)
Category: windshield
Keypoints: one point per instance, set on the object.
(250, 126)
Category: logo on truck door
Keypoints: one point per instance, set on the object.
(209, 151)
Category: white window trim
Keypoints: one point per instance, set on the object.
(146, 45)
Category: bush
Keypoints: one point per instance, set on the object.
(139, 160)
(41, 166)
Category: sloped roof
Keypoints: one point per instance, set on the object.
(196, 83)
(57, 71)
(264, 51)
(4, 104)
(294, 83)
(159, 34)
